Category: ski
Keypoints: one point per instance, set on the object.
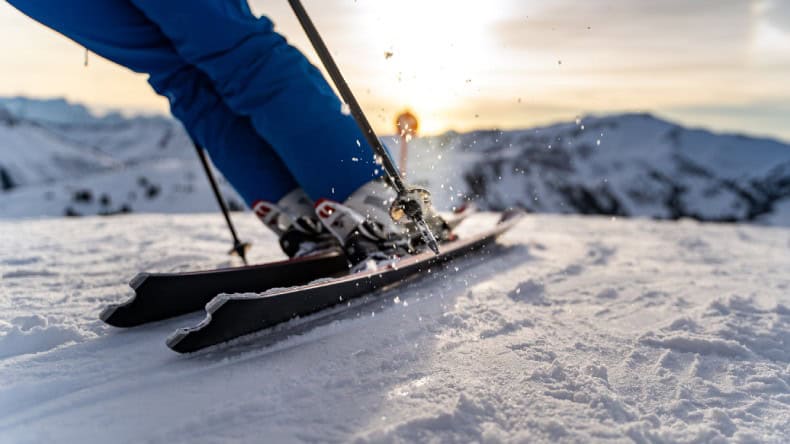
(159, 296)
(229, 316)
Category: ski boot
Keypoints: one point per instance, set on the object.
(367, 232)
(293, 220)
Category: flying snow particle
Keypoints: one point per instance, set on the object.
(345, 109)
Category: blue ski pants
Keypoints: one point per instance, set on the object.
(268, 118)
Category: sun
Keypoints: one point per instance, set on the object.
(428, 54)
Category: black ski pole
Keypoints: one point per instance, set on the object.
(406, 199)
(239, 248)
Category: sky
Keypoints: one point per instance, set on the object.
(462, 65)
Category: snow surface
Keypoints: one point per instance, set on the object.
(576, 329)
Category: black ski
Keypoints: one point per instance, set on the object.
(165, 295)
(229, 316)
(159, 296)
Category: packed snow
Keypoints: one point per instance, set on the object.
(574, 329)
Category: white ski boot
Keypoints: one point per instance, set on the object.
(293, 219)
(366, 230)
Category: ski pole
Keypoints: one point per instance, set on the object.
(407, 199)
(239, 248)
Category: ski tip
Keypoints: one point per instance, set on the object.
(116, 314)
(138, 280)
(107, 312)
(175, 338)
(174, 341)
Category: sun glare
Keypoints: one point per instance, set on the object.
(432, 53)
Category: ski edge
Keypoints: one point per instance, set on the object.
(107, 312)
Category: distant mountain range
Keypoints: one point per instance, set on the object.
(58, 111)
(58, 159)
(66, 161)
(625, 165)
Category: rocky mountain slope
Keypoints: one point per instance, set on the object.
(77, 165)
(623, 165)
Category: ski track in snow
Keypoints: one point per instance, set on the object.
(576, 329)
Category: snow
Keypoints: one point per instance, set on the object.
(576, 329)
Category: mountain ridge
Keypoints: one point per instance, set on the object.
(623, 165)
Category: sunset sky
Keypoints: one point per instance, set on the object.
(723, 64)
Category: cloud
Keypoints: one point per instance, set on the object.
(774, 12)
(771, 33)
(757, 117)
(622, 32)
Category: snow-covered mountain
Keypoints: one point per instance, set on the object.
(33, 154)
(620, 165)
(58, 110)
(81, 165)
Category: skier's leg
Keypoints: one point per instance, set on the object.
(259, 75)
(117, 30)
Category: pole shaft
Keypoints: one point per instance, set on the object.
(222, 204)
(362, 121)
(347, 95)
(404, 154)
